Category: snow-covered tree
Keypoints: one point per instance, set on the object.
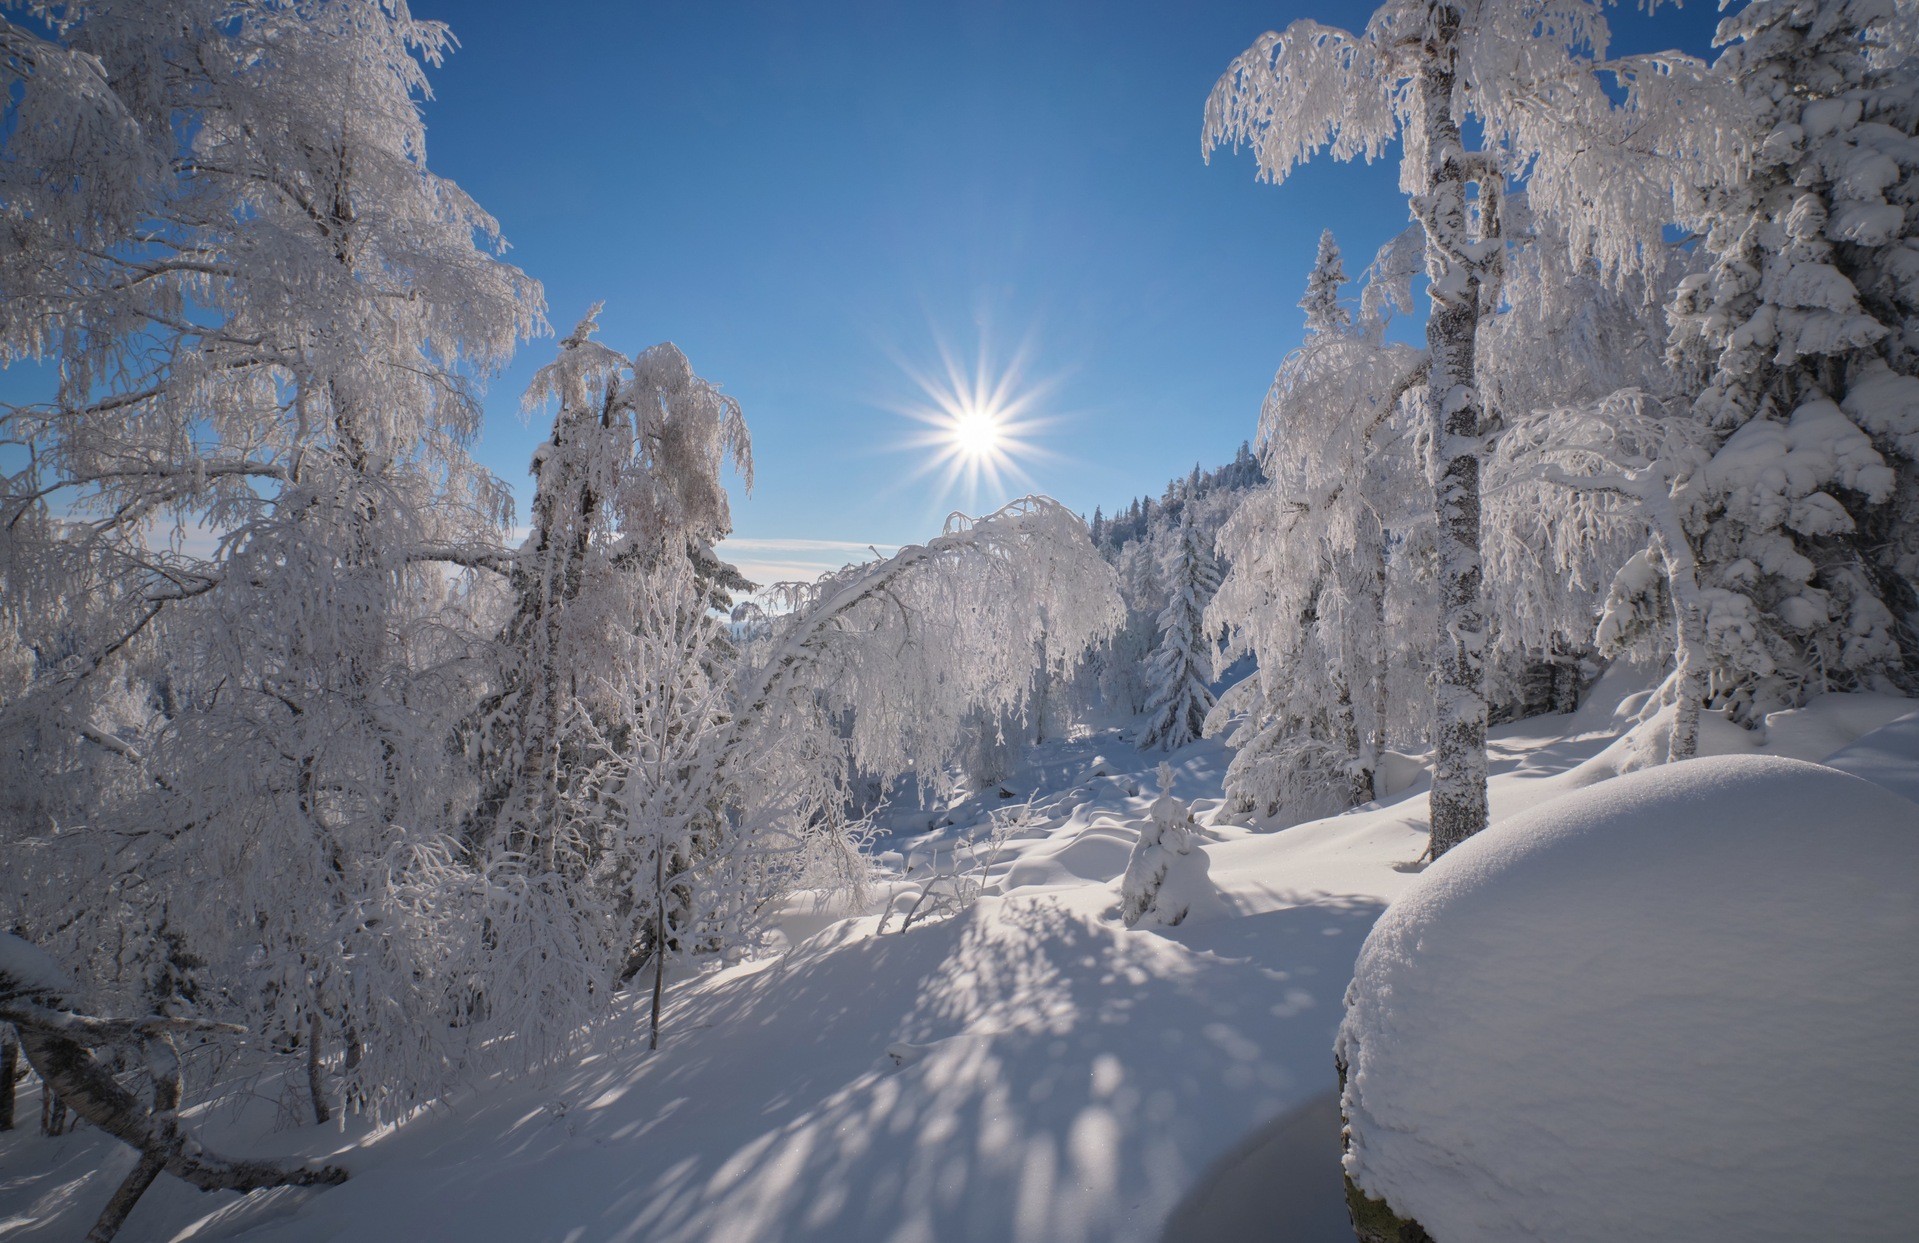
(1169, 837)
(905, 650)
(1324, 312)
(265, 314)
(1614, 475)
(1564, 343)
(1802, 337)
(628, 481)
(1138, 543)
(593, 745)
(1306, 593)
(1179, 697)
(1532, 74)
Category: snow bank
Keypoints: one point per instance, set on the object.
(1679, 1004)
(1888, 756)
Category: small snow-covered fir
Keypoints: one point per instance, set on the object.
(1165, 874)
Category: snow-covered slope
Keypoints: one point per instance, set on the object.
(1027, 1069)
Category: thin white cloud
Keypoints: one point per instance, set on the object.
(769, 561)
(766, 573)
(804, 545)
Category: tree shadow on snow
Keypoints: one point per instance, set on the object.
(1063, 1079)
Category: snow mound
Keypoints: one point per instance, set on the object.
(1888, 756)
(1679, 1004)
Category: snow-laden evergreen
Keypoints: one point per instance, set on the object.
(1168, 840)
(1178, 697)
(1137, 540)
(1800, 340)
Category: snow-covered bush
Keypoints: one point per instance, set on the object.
(1677, 1004)
(1166, 874)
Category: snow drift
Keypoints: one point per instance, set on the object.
(1675, 1005)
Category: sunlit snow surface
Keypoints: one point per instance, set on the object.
(1676, 1005)
(1055, 1077)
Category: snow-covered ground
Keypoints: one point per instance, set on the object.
(1025, 1069)
(1677, 1005)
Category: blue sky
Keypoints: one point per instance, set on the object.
(810, 198)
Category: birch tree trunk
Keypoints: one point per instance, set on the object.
(1458, 806)
(1378, 662)
(164, 1061)
(90, 1087)
(1690, 658)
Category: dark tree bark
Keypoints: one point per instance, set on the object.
(86, 1085)
(9, 1072)
(53, 1110)
(125, 1196)
(316, 1074)
(56, 1044)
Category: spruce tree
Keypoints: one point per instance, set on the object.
(1321, 303)
(1801, 337)
(1178, 698)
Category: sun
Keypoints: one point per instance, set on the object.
(976, 432)
(979, 425)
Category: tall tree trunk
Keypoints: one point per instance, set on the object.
(1458, 806)
(316, 1075)
(1690, 660)
(9, 1071)
(1377, 660)
(1359, 772)
(659, 942)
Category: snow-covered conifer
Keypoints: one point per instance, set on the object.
(1179, 697)
(1802, 337)
(1168, 836)
(1321, 303)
